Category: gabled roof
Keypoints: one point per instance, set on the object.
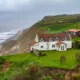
(60, 36)
(32, 43)
(73, 30)
(59, 43)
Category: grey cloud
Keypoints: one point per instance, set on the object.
(23, 13)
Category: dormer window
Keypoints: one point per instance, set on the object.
(41, 40)
(50, 39)
(65, 38)
(56, 39)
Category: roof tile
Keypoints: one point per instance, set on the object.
(53, 36)
(32, 43)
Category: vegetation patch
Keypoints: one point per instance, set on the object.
(52, 58)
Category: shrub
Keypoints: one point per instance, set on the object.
(77, 57)
(43, 54)
(33, 72)
(62, 59)
(76, 44)
(1, 67)
(57, 76)
(61, 76)
(2, 60)
(53, 75)
(76, 77)
(47, 78)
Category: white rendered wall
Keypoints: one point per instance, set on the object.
(36, 39)
(69, 44)
(48, 45)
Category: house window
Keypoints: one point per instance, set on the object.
(41, 39)
(65, 38)
(56, 39)
(53, 46)
(74, 33)
(41, 46)
(50, 39)
(62, 48)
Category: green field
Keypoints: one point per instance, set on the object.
(52, 24)
(52, 58)
(58, 28)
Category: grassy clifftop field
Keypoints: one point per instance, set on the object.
(51, 58)
(59, 23)
(19, 64)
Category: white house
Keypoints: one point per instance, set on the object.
(59, 42)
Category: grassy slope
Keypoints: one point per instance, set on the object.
(52, 24)
(52, 58)
(57, 28)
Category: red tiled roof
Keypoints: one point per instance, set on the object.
(59, 43)
(32, 43)
(73, 30)
(53, 36)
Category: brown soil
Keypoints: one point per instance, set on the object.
(6, 66)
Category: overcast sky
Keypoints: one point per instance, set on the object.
(19, 14)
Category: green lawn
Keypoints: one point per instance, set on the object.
(52, 58)
(58, 28)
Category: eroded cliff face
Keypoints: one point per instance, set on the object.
(49, 24)
(21, 44)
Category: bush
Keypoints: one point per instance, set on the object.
(77, 57)
(53, 75)
(2, 60)
(62, 59)
(76, 44)
(46, 78)
(33, 72)
(61, 76)
(76, 77)
(43, 54)
(57, 76)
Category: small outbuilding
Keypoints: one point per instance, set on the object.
(74, 32)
